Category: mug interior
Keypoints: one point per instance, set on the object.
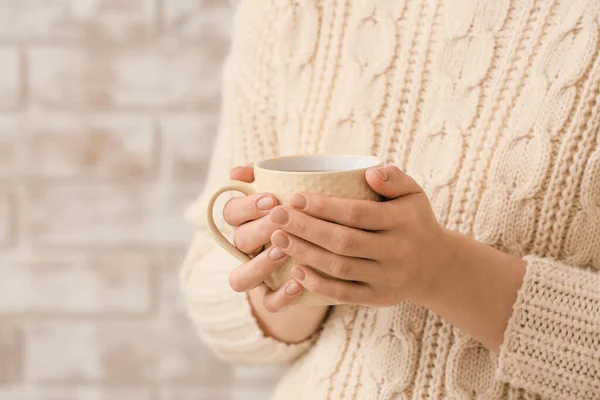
(319, 163)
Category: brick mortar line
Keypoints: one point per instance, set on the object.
(154, 280)
(146, 113)
(150, 250)
(92, 181)
(83, 42)
(23, 317)
(88, 181)
(132, 384)
(185, 109)
(157, 169)
(24, 75)
(160, 17)
(13, 219)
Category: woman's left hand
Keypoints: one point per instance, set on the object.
(381, 252)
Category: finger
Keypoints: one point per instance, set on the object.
(361, 214)
(336, 238)
(284, 297)
(341, 267)
(251, 274)
(244, 174)
(391, 182)
(240, 210)
(251, 236)
(339, 291)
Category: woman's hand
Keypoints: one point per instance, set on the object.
(384, 253)
(253, 229)
(381, 253)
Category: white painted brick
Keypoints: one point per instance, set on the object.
(201, 19)
(187, 145)
(64, 145)
(100, 215)
(262, 375)
(9, 131)
(76, 283)
(198, 393)
(117, 352)
(171, 302)
(234, 392)
(6, 218)
(258, 392)
(77, 19)
(10, 353)
(168, 76)
(10, 77)
(73, 393)
(92, 237)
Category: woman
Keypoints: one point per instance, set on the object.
(483, 266)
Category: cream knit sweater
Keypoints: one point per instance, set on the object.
(494, 107)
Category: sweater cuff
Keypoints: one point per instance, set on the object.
(224, 318)
(552, 342)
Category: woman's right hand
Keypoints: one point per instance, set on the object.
(249, 216)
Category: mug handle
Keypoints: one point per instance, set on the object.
(237, 186)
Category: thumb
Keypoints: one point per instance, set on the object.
(244, 174)
(391, 182)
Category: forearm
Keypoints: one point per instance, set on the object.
(294, 325)
(477, 291)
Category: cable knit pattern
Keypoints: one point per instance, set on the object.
(494, 108)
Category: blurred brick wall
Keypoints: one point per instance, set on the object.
(107, 114)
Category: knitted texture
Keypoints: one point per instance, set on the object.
(493, 106)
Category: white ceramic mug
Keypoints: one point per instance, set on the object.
(341, 176)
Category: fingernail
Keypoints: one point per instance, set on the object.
(292, 288)
(382, 173)
(280, 239)
(298, 201)
(265, 203)
(298, 273)
(280, 216)
(276, 254)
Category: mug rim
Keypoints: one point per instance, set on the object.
(259, 165)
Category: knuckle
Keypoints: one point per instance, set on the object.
(313, 285)
(344, 242)
(295, 250)
(234, 282)
(316, 205)
(339, 293)
(410, 218)
(406, 217)
(301, 227)
(268, 227)
(241, 242)
(270, 305)
(397, 217)
(354, 213)
(228, 212)
(340, 268)
(249, 204)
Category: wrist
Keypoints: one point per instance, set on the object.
(476, 289)
(449, 248)
(293, 325)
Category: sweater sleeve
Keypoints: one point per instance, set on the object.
(223, 318)
(552, 343)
